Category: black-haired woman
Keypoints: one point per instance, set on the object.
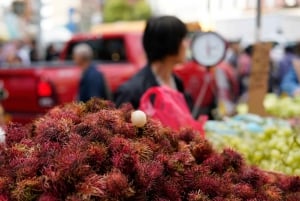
(165, 46)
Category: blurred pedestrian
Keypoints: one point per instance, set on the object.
(290, 83)
(92, 83)
(13, 60)
(233, 53)
(51, 53)
(34, 56)
(244, 68)
(23, 52)
(286, 63)
(165, 47)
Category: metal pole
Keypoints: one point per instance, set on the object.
(39, 28)
(209, 15)
(258, 21)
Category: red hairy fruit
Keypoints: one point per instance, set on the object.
(3, 198)
(48, 197)
(232, 159)
(94, 186)
(27, 190)
(95, 105)
(92, 151)
(96, 154)
(244, 191)
(117, 185)
(15, 133)
(211, 185)
(198, 196)
(215, 163)
(71, 112)
(187, 135)
(272, 193)
(201, 150)
(54, 130)
(148, 173)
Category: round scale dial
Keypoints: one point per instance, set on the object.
(208, 48)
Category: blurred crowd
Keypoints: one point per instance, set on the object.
(23, 52)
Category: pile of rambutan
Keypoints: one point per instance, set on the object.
(93, 152)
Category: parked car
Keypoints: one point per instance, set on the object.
(33, 90)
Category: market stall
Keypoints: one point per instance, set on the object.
(95, 152)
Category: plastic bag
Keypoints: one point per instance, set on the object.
(169, 106)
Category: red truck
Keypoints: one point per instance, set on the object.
(33, 90)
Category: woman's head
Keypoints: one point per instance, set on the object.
(164, 37)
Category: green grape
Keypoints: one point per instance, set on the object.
(276, 149)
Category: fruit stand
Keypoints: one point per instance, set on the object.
(95, 152)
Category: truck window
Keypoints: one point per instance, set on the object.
(108, 50)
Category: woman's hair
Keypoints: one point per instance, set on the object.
(163, 37)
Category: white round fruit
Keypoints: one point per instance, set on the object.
(138, 118)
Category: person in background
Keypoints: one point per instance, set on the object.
(165, 47)
(13, 60)
(290, 83)
(51, 53)
(23, 51)
(233, 53)
(92, 83)
(243, 70)
(286, 63)
(34, 57)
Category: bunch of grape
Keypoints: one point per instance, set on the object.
(284, 107)
(276, 149)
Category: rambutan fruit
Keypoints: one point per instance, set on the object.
(210, 185)
(3, 197)
(15, 133)
(27, 167)
(74, 198)
(93, 186)
(292, 196)
(70, 112)
(47, 197)
(187, 135)
(154, 129)
(294, 184)
(117, 186)
(27, 190)
(155, 148)
(95, 105)
(128, 130)
(54, 130)
(126, 110)
(147, 174)
(125, 161)
(244, 191)
(232, 159)
(201, 150)
(143, 151)
(96, 155)
(161, 199)
(170, 189)
(253, 177)
(178, 161)
(118, 143)
(272, 193)
(197, 196)
(192, 175)
(215, 163)
(5, 184)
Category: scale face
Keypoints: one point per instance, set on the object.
(208, 49)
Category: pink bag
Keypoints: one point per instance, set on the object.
(169, 106)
